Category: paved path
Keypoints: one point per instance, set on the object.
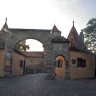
(36, 85)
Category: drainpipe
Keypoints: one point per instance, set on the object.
(24, 66)
(11, 61)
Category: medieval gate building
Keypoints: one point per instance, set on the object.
(64, 58)
(54, 45)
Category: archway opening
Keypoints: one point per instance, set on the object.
(34, 45)
(34, 57)
(60, 67)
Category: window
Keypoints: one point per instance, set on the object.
(73, 61)
(81, 62)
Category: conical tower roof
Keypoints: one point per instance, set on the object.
(5, 26)
(55, 29)
(75, 41)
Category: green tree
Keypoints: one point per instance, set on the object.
(21, 46)
(90, 35)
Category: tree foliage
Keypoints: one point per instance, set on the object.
(21, 46)
(90, 35)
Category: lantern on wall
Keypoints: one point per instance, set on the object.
(73, 61)
(9, 55)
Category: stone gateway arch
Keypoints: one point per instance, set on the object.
(54, 45)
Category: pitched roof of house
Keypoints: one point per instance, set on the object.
(76, 43)
(34, 54)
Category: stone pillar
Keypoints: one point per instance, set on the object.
(50, 68)
(50, 62)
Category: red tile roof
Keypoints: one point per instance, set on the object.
(34, 54)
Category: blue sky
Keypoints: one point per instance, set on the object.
(42, 14)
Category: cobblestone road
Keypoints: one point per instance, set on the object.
(36, 85)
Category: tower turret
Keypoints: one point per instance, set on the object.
(55, 32)
(5, 26)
